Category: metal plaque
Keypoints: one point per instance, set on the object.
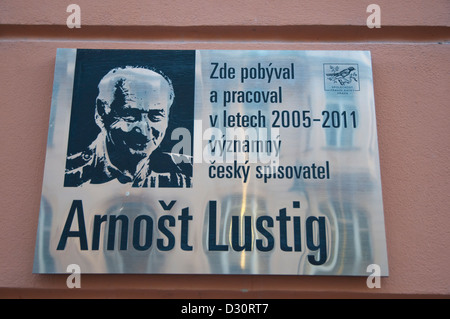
(212, 162)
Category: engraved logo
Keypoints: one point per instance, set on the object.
(341, 77)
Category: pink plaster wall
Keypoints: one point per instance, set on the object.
(411, 82)
(230, 12)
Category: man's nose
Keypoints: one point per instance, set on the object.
(144, 126)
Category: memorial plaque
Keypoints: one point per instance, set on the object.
(212, 162)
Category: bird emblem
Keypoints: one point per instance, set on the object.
(343, 77)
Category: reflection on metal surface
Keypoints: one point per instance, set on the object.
(237, 234)
(281, 159)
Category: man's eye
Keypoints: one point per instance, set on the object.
(156, 115)
(156, 118)
(129, 118)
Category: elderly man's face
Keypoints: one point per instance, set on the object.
(139, 115)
